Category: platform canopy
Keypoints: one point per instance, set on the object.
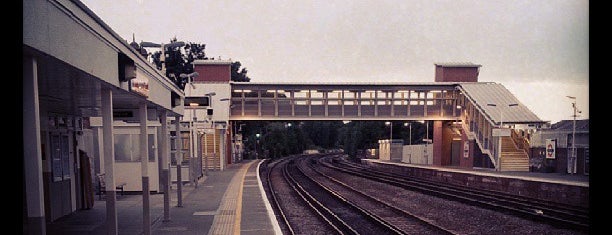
(486, 94)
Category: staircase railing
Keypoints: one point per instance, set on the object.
(520, 141)
(472, 136)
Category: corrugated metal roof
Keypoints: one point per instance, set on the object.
(568, 125)
(457, 64)
(494, 93)
(374, 83)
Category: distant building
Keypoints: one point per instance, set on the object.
(561, 134)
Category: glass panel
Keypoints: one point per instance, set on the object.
(236, 107)
(123, 148)
(334, 108)
(284, 107)
(433, 108)
(316, 94)
(283, 94)
(316, 102)
(301, 94)
(250, 107)
(267, 107)
(249, 93)
(350, 108)
(56, 157)
(317, 108)
(268, 93)
(301, 108)
(334, 95)
(65, 146)
(152, 149)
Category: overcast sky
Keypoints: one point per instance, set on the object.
(536, 49)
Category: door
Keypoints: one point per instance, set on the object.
(60, 188)
(455, 152)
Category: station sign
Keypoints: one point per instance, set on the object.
(551, 148)
(500, 132)
(466, 149)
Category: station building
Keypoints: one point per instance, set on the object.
(551, 147)
(96, 109)
(93, 109)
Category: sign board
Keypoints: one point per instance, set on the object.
(551, 148)
(500, 132)
(140, 84)
(466, 149)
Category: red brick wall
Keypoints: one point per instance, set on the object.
(213, 72)
(447, 139)
(456, 74)
(437, 143)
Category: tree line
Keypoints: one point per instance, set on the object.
(275, 139)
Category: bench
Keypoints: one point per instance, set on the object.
(102, 185)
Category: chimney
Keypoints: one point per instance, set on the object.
(457, 72)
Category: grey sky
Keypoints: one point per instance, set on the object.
(537, 49)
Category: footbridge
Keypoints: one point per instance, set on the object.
(471, 113)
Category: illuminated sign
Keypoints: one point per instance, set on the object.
(140, 85)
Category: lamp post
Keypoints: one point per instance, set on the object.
(499, 138)
(391, 130)
(256, 146)
(426, 140)
(571, 166)
(193, 143)
(409, 125)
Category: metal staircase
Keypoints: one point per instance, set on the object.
(512, 157)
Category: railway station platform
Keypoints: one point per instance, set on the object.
(560, 187)
(224, 202)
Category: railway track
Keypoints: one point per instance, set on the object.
(398, 219)
(294, 212)
(558, 215)
(339, 212)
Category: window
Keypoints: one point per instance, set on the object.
(127, 147)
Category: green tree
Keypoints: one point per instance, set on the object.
(238, 74)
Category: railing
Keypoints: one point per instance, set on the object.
(483, 146)
(520, 141)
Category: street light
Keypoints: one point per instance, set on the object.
(391, 132)
(256, 146)
(499, 138)
(193, 143)
(409, 125)
(572, 163)
(501, 117)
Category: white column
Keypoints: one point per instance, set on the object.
(163, 158)
(179, 158)
(109, 160)
(144, 167)
(32, 153)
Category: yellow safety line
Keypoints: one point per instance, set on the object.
(238, 217)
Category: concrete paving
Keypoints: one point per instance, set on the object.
(224, 202)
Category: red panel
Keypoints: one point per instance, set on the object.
(456, 74)
(213, 72)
